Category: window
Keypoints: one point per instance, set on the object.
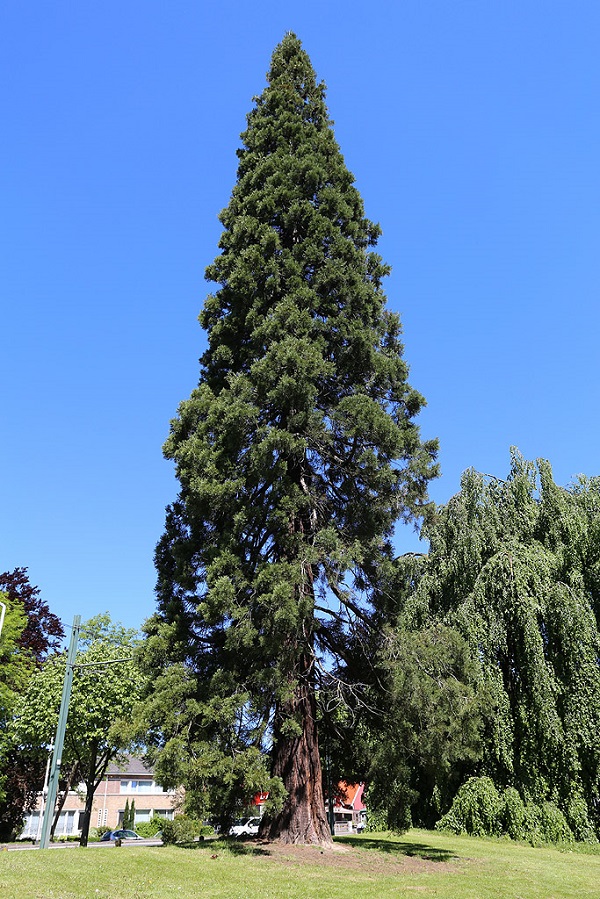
(66, 824)
(141, 786)
(142, 814)
(31, 826)
(145, 786)
(164, 813)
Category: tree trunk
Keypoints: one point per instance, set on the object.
(90, 789)
(87, 815)
(297, 761)
(98, 768)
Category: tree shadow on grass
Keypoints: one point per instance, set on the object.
(222, 844)
(399, 847)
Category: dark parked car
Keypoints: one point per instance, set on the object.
(120, 835)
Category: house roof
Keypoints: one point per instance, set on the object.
(350, 795)
(129, 767)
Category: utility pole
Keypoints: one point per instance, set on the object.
(44, 792)
(60, 735)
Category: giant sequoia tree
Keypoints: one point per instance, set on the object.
(296, 454)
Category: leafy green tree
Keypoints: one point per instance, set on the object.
(43, 632)
(106, 686)
(15, 668)
(513, 565)
(296, 454)
(29, 633)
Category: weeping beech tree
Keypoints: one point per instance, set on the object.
(515, 566)
(296, 454)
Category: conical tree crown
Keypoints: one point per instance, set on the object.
(293, 250)
(298, 327)
(299, 442)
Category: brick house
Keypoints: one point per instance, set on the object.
(130, 781)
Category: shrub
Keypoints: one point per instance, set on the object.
(478, 809)
(169, 835)
(150, 828)
(512, 815)
(553, 825)
(475, 809)
(579, 822)
(376, 821)
(532, 826)
(182, 829)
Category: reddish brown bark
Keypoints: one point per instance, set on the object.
(296, 760)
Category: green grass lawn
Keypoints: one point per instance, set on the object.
(420, 863)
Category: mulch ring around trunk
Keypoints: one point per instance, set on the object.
(350, 858)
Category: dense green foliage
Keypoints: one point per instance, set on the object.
(514, 567)
(295, 455)
(182, 829)
(480, 809)
(14, 665)
(14, 671)
(150, 828)
(129, 815)
(106, 684)
(29, 633)
(423, 725)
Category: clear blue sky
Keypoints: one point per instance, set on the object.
(473, 130)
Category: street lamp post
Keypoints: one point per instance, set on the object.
(2, 614)
(60, 736)
(44, 793)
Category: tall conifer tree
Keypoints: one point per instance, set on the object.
(295, 455)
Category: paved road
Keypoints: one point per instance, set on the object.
(20, 847)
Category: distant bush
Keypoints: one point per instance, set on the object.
(475, 810)
(553, 825)
(182, 829)
(512, 815)
(579, 822)
(377, 821)
(149, 828)
(480, 810)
